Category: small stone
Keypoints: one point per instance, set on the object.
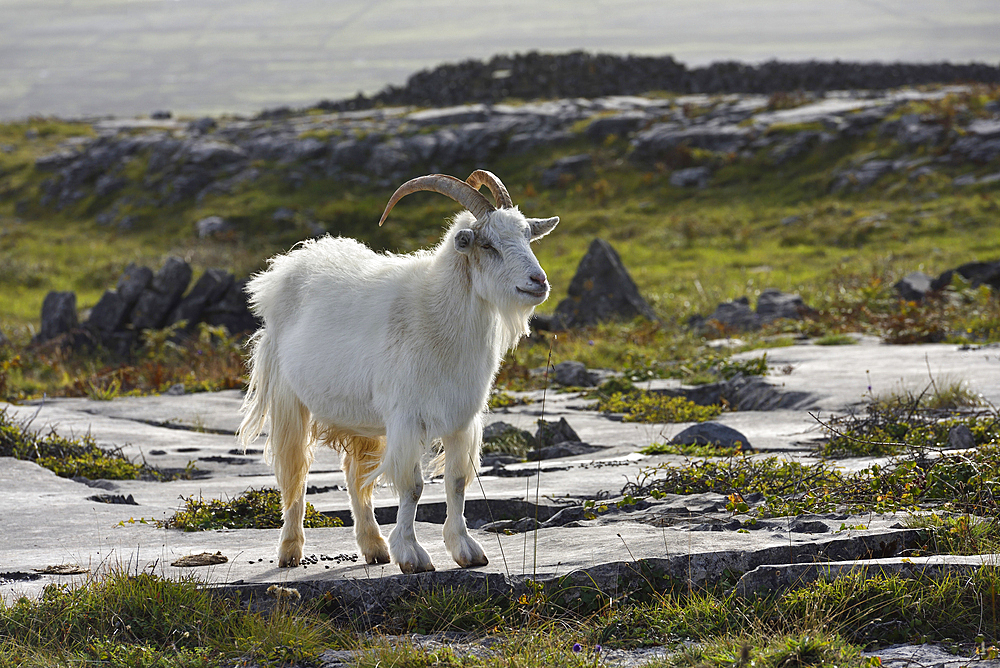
(960, 438)
(573, 374)
(712, 433)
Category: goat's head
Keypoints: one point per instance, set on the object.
(496, 241)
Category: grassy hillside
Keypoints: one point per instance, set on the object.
(758, 224)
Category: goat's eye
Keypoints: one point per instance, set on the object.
(489, 247)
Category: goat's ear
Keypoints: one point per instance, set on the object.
(464, 240)
(542, 226)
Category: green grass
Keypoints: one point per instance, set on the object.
(142, 620)
(72, 457)
(253, 509)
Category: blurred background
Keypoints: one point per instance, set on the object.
(77, 58)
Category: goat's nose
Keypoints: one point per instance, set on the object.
(538, 278)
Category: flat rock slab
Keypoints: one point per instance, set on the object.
(50, 521)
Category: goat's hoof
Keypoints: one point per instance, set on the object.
(376, 551)
(377, 558)
(481, 560)
(410, 569)
(466, 552)
(289, 554)
(288, 562)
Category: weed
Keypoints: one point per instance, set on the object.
(253, 509)
(690, 450)
(69, 458)
(836, 340)
(511, 441)
(143, 620)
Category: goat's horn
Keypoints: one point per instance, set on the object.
(482, 177)
(458, 190)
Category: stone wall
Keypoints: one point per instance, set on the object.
(535, 75)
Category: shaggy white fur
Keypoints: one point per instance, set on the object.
(380, 355)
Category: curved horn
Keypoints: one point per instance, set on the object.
(482, 177)
(460, 191)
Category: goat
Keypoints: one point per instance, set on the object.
(381, 355)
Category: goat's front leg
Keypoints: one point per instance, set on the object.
(461, 457)
(403, 545)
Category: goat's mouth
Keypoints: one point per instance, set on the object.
(539, 294)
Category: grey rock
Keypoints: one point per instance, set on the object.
(601, 290)
(976, 273)
(209, 289)
(108, 314)
(735, 315)
(964, 180)
(210, 153)
(232, 311)
(565, 449)
(976, 149)
(914, 286)
(985, 128)
(163, 294)
(798, 144)
(58, 315)
(862, 176)
(573, 374)
(690, 177)
(775, 304)
(202, 126)
(55, 161)
(802, 525)
(210, 225)
(960, 437)
(552, 433)
(499, 429)
(132, 282)
(619, 125)
(175, 390)
(660, 140)
(712, 433)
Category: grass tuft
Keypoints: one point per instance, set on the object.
(253, 509)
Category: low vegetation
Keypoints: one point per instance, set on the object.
(75, 457)
(141, 620)
(253, 509)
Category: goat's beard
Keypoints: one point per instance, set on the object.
(513, 324)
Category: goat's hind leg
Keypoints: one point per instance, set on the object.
(461, 457)
(360, 459)
(293, 454)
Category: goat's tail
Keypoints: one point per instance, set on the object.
(260, 391)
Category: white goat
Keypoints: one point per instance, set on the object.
(379, 355)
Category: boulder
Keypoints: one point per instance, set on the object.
(712, 433)
(601, 290)
(156, 302)
(232, 311)
(691, 177)
(108, 314)
(736, 314)
(775, 304)
(552, 433)
(132, 282)
(914, 286)
(58, 315)
(209, 289)
(976, 273)
(210, 225)
(573, 374)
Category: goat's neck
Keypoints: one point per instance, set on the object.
(467, 324)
